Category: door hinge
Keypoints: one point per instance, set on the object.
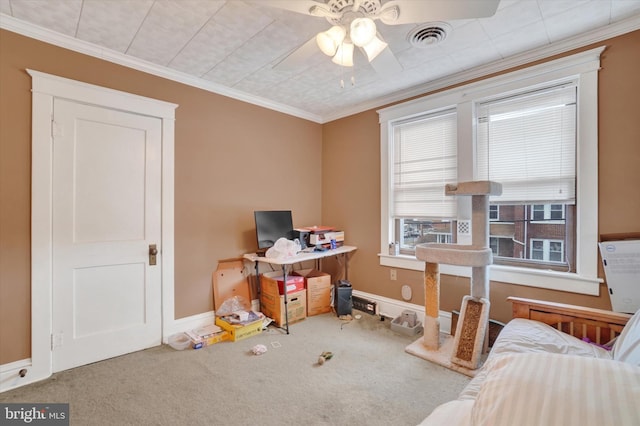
(56, 129)
(56, 340)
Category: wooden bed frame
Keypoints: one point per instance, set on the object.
(598, 325)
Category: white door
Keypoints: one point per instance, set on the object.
(106, 214)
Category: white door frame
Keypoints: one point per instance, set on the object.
(45, 88)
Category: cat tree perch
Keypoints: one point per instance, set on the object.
(463, 352)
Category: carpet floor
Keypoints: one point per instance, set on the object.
(370, 380)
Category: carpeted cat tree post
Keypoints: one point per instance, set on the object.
(463, 352)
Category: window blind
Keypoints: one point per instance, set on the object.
(425, 159)
(528, 144)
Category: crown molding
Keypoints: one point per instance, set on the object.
(12, 24)
(600, 34)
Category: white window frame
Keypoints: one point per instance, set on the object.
(583, 69)
(442, 238)
(546, 248)
(498, 238)
(497, 210)
(547, 214)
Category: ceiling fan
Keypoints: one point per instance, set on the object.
(353, 26)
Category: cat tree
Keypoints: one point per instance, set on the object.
(462, 352)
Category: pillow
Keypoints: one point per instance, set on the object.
(627, 345)
(557, 389)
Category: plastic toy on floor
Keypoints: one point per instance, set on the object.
(324, 356)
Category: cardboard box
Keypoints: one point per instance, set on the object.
(240, 332)
(318, 285)
(272, 280)
(229, 281)
(272, 306)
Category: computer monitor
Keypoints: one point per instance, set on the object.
(272, 225)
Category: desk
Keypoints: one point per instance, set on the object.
(300, 257)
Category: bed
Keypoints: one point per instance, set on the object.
(553, 364)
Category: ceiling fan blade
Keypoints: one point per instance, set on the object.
(299, 56)
(411, 12)
(386, 63)
(306, 7)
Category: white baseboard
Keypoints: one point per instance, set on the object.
(392, 308)
(10, 375)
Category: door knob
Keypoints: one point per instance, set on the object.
(153, 252)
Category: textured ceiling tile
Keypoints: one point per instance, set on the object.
(511, 17)
(208, 48)
(550, 8)
(270, 43)
(242, 17)
(621, 9)
(257, 81)
(57, 15)
(112, 24)
(414, 56)
(472, 57)
(231, 71)
(465, 36)
(169, 26)
(577, 20)
(529, 36)
(5, 7)
(231, 27)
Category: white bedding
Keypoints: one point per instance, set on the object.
(537, 375)
(526, 336)
(536, 389)
(558, 389)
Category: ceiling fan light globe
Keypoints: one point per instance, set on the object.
(363, 30)
(374, 48)
(328, 41)
(389, 15)
(344, 55)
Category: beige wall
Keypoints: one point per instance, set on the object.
(351, 191)
(233, 158)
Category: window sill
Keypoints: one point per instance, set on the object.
(551, 280)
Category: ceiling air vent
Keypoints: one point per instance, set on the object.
(428, 34)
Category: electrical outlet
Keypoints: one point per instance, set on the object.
(393, 274)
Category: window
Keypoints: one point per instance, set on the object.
(547, 212)
(520, 129)
(547, 250)
(527, 141)
(501, 246)
(522, 224)
(494, 212)
(417, 231)
(424, 159)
